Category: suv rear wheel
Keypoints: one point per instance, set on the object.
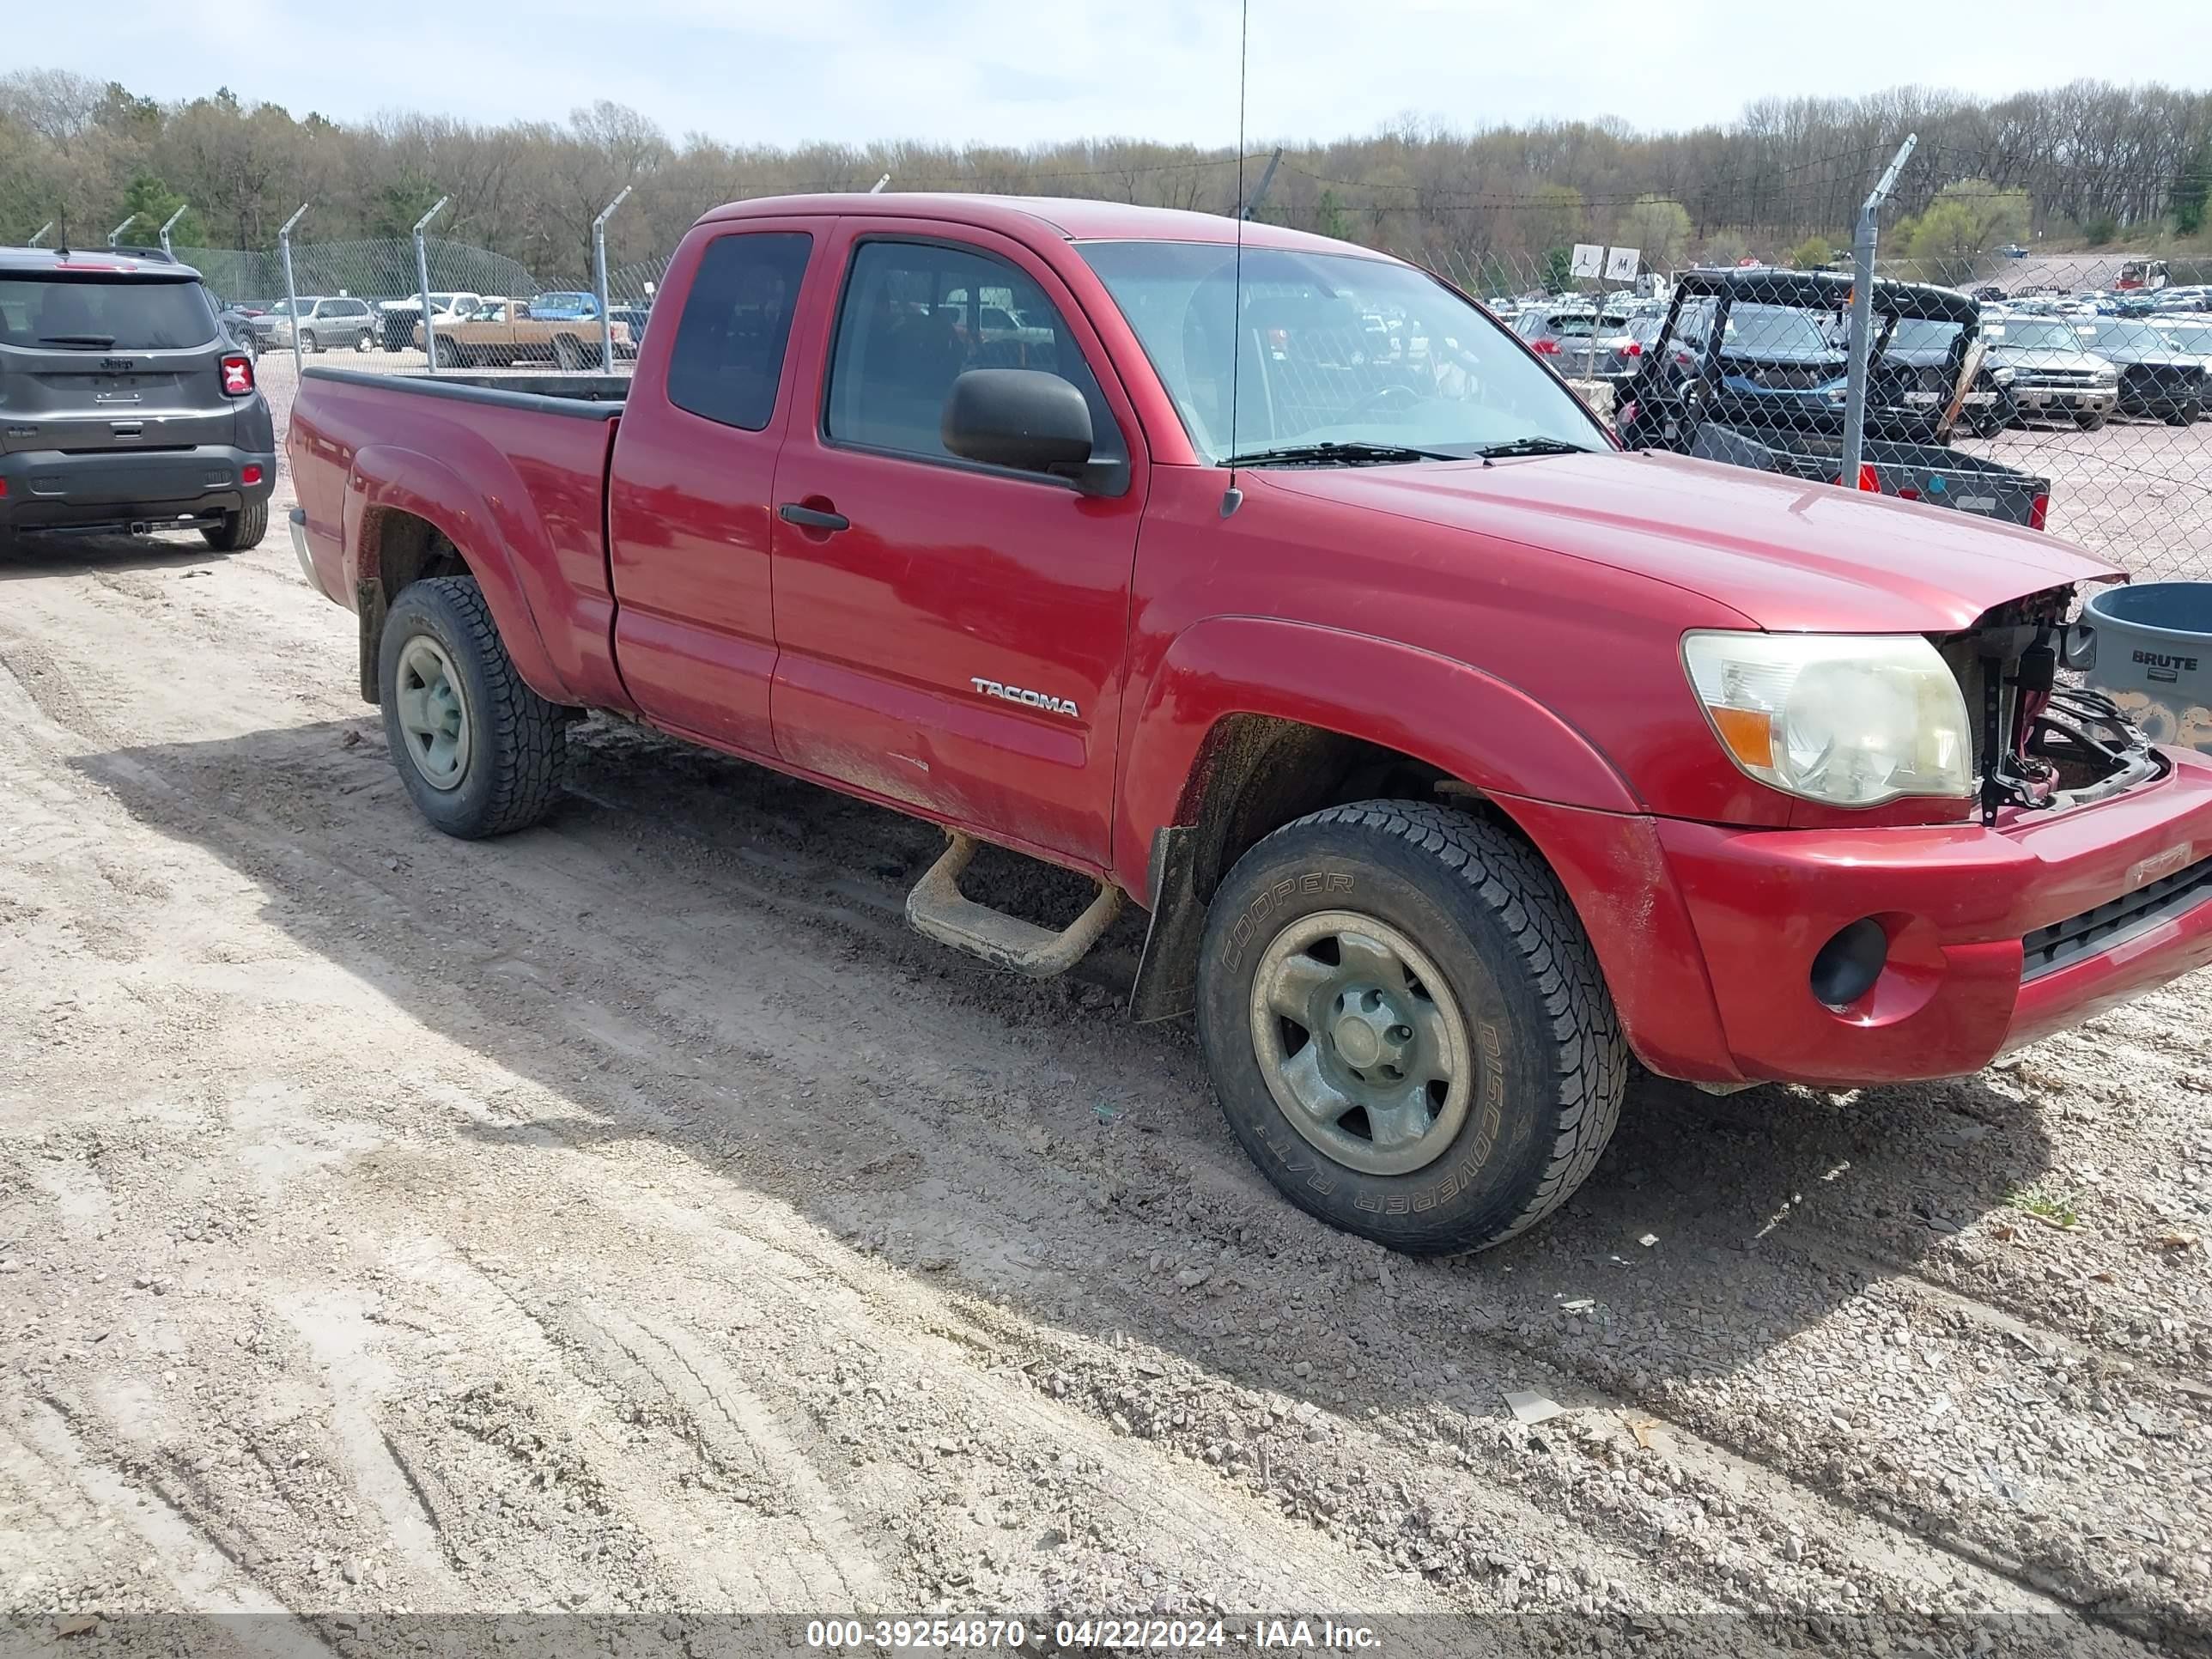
(240, 530)
(1405, 1026)
(480, 753)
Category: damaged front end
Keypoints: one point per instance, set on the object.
(2042, 741)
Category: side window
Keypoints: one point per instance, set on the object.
(915, 317)
(728, 357)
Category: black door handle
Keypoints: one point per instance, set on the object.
(812, 518)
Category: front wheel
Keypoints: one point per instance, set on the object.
(307, 346)
(2184, 414)
(239, 531)
(480, 753)
(364, 341)
(1406, 1025)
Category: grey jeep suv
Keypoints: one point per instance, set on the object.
(124, 404)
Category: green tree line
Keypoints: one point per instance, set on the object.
(2088, 161)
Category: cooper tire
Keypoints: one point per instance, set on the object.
(239, 531)
(514, 743)
(1547, 1062)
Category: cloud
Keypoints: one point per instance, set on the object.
(1014, 72)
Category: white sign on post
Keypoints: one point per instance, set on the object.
(1620, 264)
(1588, 260)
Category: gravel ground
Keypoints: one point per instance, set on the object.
(631, 1217)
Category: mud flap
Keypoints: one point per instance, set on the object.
(368, 605)
(1167, 973)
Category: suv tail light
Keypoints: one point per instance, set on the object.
(1549, 348)
(238, 377)
(2038, 510)
(1633, 349)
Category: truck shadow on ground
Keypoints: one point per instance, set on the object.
(1065, 1151)
(35, 555)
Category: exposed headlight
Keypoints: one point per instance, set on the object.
(1846, 719)
(2108, 376)
(2002, 376)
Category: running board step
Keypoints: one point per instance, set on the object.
(938, 909)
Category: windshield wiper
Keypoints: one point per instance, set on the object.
(1531, 446)
(1350, 453)
(95, 342)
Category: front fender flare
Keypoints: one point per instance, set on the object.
(1450, 714)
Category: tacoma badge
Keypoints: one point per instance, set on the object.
(1034, 699)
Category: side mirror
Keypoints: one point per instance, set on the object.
(1027, 419)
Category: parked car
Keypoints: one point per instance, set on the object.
(2051, 373)
(236, 321)
(2158, 378)
(633, 318)
(2192, 334)
(565, 305)
(318, 323)
(1456, 754)
(1917, 372)
(1749, 369)
(399, 322)
(501, 332)
(125, 403)
(1583, 343)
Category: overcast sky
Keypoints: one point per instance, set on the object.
(1017, 72)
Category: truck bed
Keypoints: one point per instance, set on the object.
(600, 396)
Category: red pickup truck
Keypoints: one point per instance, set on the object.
(1457, 754)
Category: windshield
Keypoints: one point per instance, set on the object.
(1775, 328)
(1330, 348)
(96, 314)
(2033, 336)
(1922, 334)
(2123, 337)
(2189, 336)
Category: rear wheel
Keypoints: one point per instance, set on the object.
(239, 531)
(568, 356)
(2184, 414)
(480, 753)
(1405, 1026)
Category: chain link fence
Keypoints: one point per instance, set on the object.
(2066, 391)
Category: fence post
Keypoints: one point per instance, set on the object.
(423, 282)
(600, 276)
(116, 235)
(1862, 329)
(877, 189)
(291, 289)
(170, 224)
(40, 235)
(1248, 208)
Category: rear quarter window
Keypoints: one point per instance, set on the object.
(728, 357)
(89, 314)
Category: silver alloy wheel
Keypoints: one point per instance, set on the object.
(433, 713)
(1361, 1042)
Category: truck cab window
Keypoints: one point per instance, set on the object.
(917, 316)
(728, 357)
